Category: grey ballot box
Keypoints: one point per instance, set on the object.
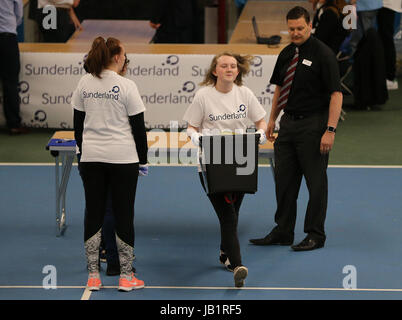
(229, 163)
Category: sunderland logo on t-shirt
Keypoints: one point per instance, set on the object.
(112, 94)
(240, 114)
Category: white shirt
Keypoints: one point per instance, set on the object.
(395, 5)
(226, 112)
(107, 103)
(57, 3)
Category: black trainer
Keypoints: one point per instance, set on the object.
(223, 259)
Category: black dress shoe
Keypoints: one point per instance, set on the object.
(273, 239)
(308, 244)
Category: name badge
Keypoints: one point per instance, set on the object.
(307, 62)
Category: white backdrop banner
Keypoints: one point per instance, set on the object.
(167, 84)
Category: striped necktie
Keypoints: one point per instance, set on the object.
(287, 82)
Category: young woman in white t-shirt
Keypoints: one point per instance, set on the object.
(110, 134)
(224, 104)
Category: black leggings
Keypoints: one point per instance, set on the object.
(121, 180)
(227, 208)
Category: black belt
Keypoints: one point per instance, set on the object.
(297, 116)
(301, 116)
(7, 34)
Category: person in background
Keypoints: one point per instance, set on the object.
(110, 133)
(11, 15)
(306, 76)
(327, 23)
(385, 21)
(366, 18)
(67, 21)
(224, 92)
(175, 21)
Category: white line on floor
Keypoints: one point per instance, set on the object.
(87, 293)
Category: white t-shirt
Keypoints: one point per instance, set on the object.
(226, 112)
(57, 3)
(107, 103)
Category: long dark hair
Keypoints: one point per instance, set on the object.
(336, 6)
(101, 54)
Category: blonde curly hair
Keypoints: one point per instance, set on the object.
(243, 65)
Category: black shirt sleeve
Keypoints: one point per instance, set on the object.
(140, 136)
(330, 67)
(79, 117)
(275, 74)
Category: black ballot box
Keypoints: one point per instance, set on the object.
(229, 163)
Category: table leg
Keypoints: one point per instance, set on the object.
(61, 189)
(272, 162)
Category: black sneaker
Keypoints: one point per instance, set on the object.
(223, 259)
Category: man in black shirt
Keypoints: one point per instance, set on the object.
(311, 108)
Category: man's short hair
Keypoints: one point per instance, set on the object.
(298, 12)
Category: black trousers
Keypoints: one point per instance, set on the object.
(9, 73)
(121, 181)
(385, 20)
(297, 155)
(227, 209)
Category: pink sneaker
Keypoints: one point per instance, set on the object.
(130, 283)
(94, 282)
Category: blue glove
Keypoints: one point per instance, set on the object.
(143, 170)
